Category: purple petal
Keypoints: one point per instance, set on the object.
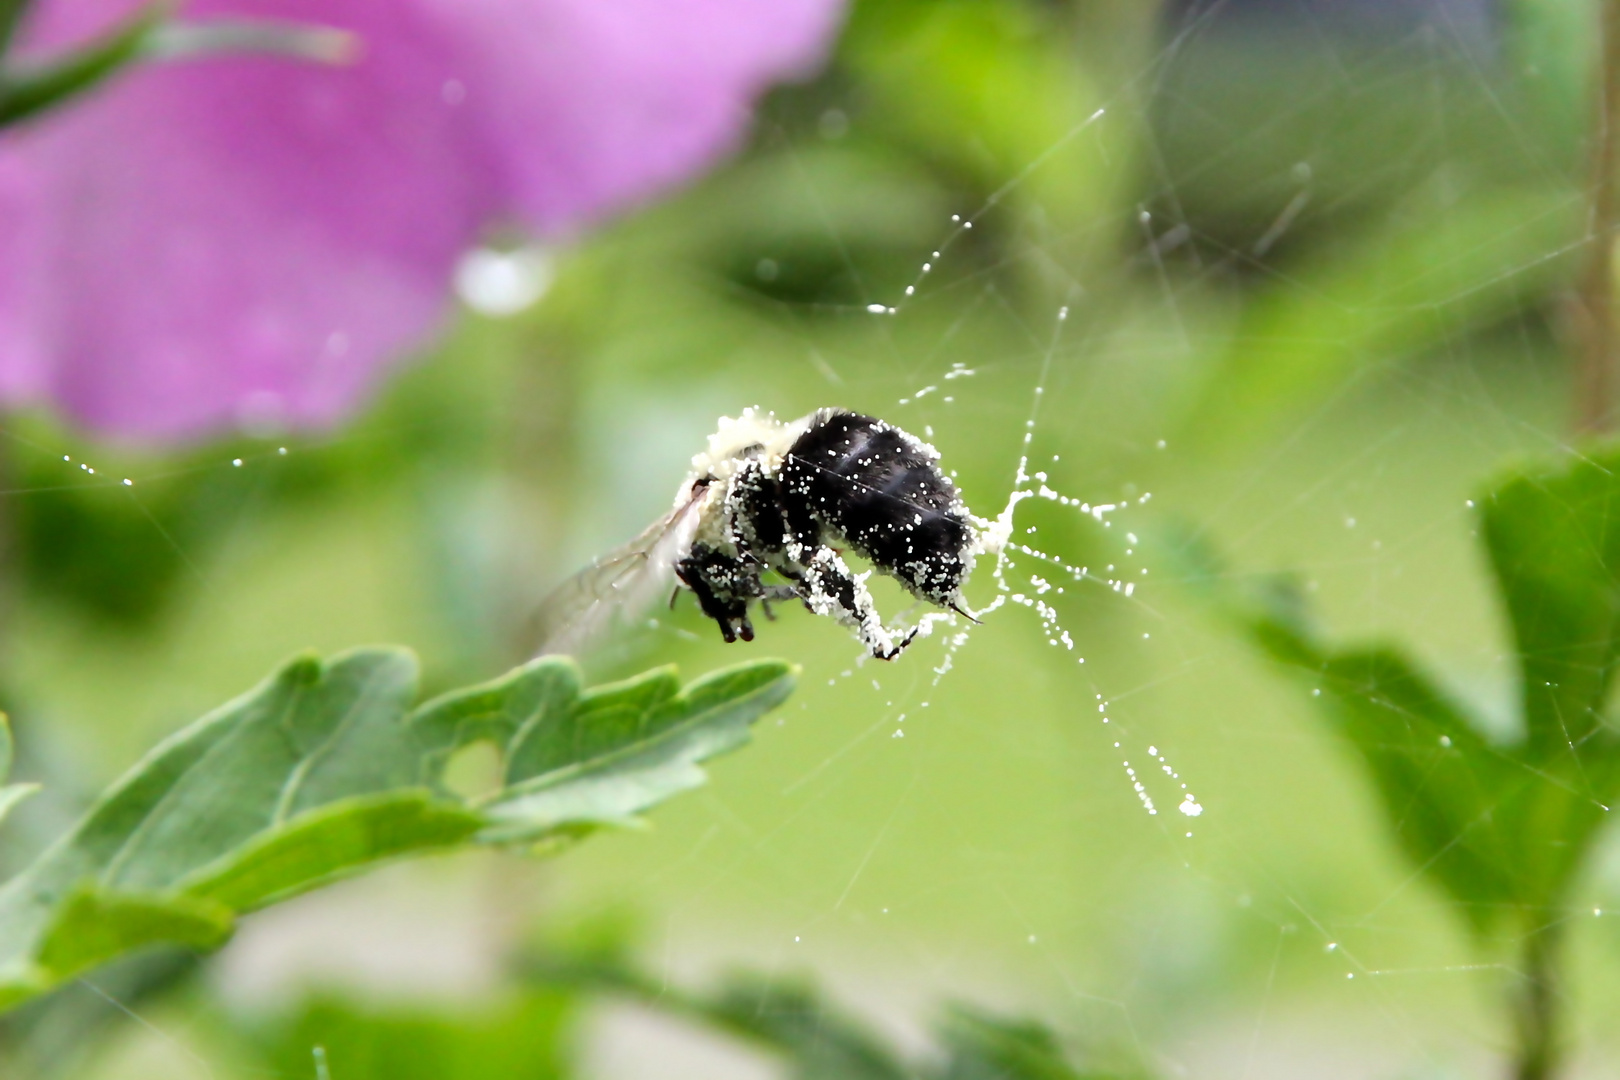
(251, 239)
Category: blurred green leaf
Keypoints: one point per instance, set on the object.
(1413, 285)
(10, 794)
(1439, 781)
(1497, 826)
(821, 1041)
(1554, 544)
(992, 91)
(982, 1046)
(522, 1038)
(1551, 533)
(323, 771)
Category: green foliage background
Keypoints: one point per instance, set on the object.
(1321, 395)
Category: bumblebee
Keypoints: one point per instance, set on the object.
(789, 498)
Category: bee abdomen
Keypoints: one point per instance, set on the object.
(880, 489)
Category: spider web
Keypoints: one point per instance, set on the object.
(1099, 806)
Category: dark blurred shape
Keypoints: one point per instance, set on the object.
(1276, 120)
(1472, 21)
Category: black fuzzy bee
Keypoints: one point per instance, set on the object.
(788, 498)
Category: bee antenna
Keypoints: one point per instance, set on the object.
(964, 615)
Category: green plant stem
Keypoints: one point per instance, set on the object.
(26, 93)
(1536, 1003)
(1596, 380)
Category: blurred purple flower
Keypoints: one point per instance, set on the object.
(243, 240)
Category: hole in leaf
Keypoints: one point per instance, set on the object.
(474, 770)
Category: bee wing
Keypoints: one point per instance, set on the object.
(618, 586)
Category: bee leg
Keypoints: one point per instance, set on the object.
(899, 647)
(829, 588)
(694, 571)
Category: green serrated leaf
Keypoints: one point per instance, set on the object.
(593, 725)
(335, 841)
(624, 762)
(94, 926)
(498, 711)
(322, 771)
